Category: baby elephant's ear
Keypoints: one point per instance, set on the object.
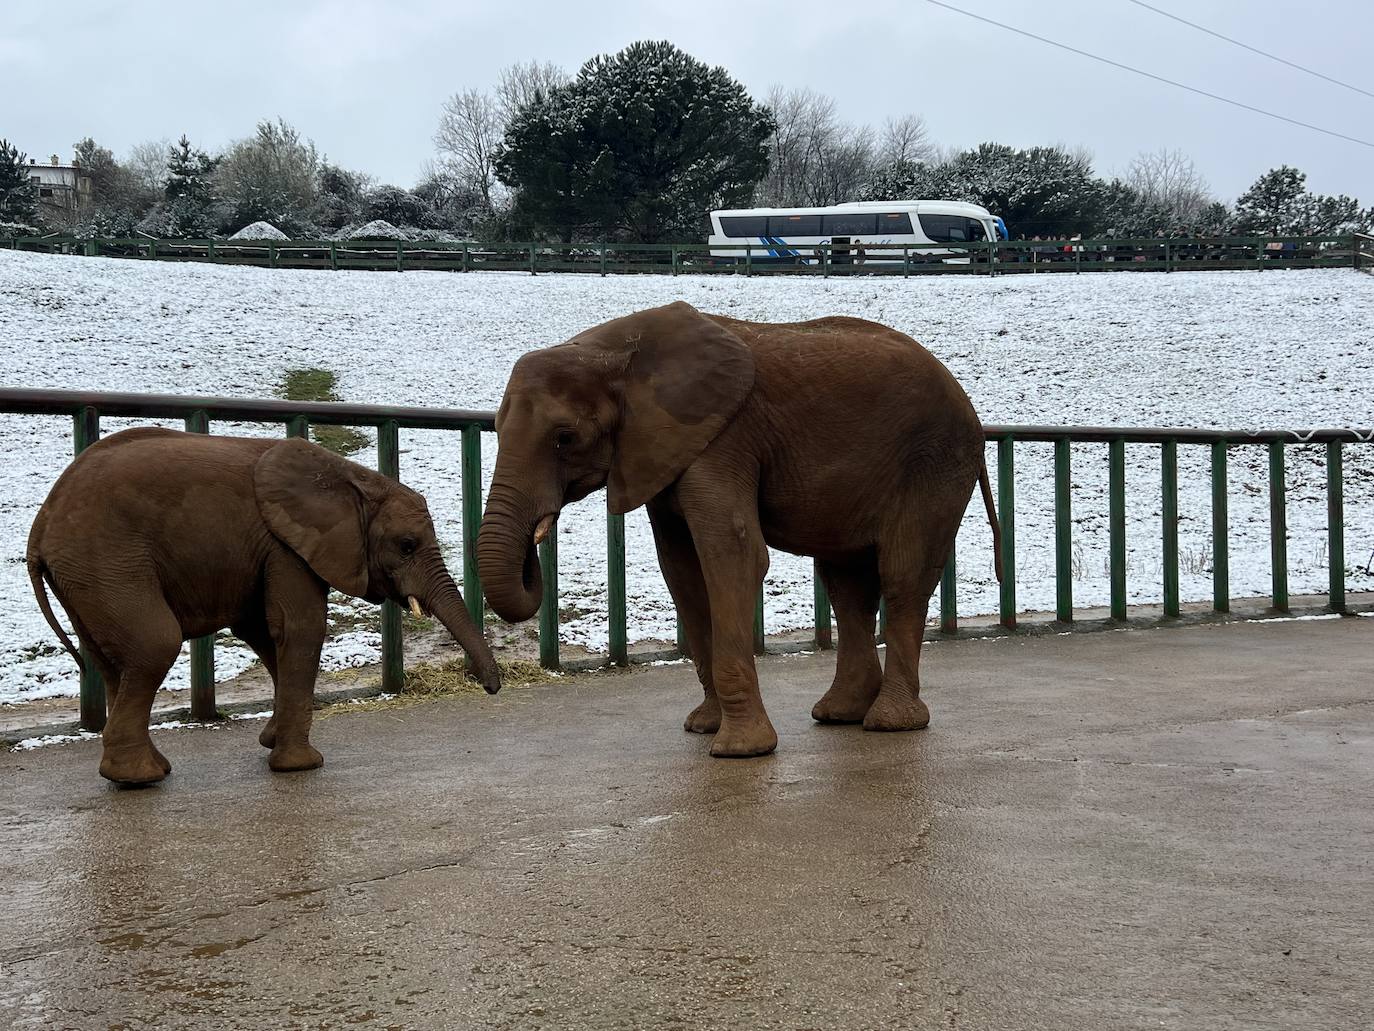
(310, 502)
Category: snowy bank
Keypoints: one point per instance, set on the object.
(1203, 349)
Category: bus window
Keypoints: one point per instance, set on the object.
(898, 224)
(794, 225)
(951, 228)
(849, 225)
(743, 226)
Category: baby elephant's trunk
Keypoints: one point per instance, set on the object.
(447, 605)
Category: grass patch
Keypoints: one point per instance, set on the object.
(318, 385)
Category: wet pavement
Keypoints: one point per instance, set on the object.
(1143, 829)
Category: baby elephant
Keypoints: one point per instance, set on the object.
(153, 537)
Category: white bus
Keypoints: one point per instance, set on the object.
(793, 235)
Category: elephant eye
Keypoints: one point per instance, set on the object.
(565, 438)
(408, 545)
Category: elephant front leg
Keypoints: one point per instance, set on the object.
(733, 561)
(296, 621)
(677, 558)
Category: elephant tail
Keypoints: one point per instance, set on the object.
(986, 485)
(40, 577)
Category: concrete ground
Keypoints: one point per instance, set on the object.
(1143, 829)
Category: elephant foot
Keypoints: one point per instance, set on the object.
(133, 764)
(843, 705)
(894, 713)
(161, 759)
(268, 737)
(741, 739)
(291, 758)
(705, 718)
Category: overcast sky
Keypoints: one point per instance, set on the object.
(366, 80)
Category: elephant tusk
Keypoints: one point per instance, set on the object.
(415, 609)
(542, 530)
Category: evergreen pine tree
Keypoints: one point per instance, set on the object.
(18, 198)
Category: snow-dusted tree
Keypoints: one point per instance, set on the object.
(1274, 203)
(18, 198)
(339, 196)
(469, 134)
(271, 177)
(188, 207)
(1041, 191)
(147, 165)
(640, 144)
(903, 141)
(814, 156)
(1169, 179)
(1279, 203)
(118, 200)
(401, 208)
(519, 84)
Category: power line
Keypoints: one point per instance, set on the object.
(1253, 50)
(1152, 75)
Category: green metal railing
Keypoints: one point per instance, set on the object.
(200, 413)
(1363, 246)
(744, 258)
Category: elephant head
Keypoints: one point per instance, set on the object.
(366, 535)
(626, 405)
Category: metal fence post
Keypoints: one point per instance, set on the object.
(1278, 526)
(393, 654)
(85, 432)
(824, 637)
(202, 648)
(464, 266)
(748, 259)
(1169, 524)
(333, 256)
(615, 588)
(673, 258)
(533, 270)
(548, 608)
(759, 645)
(400, 253)
(1006, 515)
(1116, 518)
(1335, 525)
(1221, 559)
(1063, 533)
(949, 602)
(298, 426)
(603, 259)
(472, 520)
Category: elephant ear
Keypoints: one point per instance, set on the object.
(685, 378)
(312, 504)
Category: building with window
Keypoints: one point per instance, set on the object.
(64, 189)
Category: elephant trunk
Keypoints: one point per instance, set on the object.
(443, 599)
(506, 555)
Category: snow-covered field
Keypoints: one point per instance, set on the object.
(1205, 349)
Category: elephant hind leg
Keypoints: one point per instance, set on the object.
(144, 657)
(910, 569)
(854, 591)
(257, 636)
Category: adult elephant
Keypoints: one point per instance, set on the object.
(837, 438)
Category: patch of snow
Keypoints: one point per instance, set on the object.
(28, 744)
(260, 231)
(1204, 349)
(378, 229)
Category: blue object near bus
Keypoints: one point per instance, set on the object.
(1001, 227)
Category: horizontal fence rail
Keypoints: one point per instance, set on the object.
(1002, 257)
(86, 409)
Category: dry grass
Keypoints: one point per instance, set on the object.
(427, 681)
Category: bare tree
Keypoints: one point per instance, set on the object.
(904, 140)
(1169, 179)
(518, 85)
(147, 163)
(470, 130)
(815, 158)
